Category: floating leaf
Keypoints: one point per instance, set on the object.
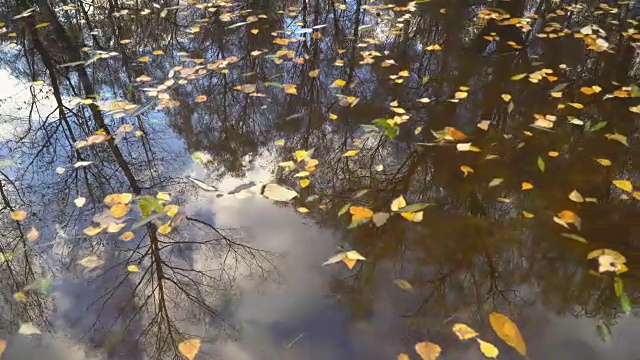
(527, 214)
(303, 209)
(278, 193)
(18, 215)
(91, 262)
(314, 73)
(428, 350)
(28, 329)
(527, 185)
(518, 76)
(603, 162)
(338, 83)
(82, 163)
(133, 268)
(463, 331)
(617, 137)
(344, 209)
(290, 89)
(624, 185)
(466, 170)
(459, 95)
(126, 236)
(496, 182)
(350, 153)
(414, 207)
(574, 237)
(576, 196)
(359, 213)
(506, 97)
(398, 203)
(570, 217)
(508, 332)
(413, 216)
(189, 348)
(164, 229)
(380, 218)
(93, 230)
(200, 98)
(403, 284)
(401, 356)
(488, 349)
(119, 210)
(80, 201)
(304, 183)
(541, 164)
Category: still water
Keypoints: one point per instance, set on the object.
(514, 123)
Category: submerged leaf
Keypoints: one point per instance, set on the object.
(91, 262)
(189, 348)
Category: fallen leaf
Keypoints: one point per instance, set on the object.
(508, 331)
(380, 218)
(506, 97)
(463, 331)
(164, 229)
(290, 89)
(360, 213)
(33, 234)
(603, 162)
(401, 356)
(398, 203)
(189, 348)
(576, 196)
(314, 73)
(428, 350)
(304, 183)
(338, 83)
(466, 170)
(459, 95)
(527, 185)
(80, 201)
(488, 349)
(350, 153)
(91, 262)
(19, 215)
(624, 185)
(527, 214)
(496, 182)
(133, 268)
(200, 98)
(28, 329)
(126, 236)
(119, 210)
(303, 209)
(278, 193)
(403, 284)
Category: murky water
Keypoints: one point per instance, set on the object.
(500, 115)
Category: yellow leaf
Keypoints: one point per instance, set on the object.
(350, 153)
(133, 268)
(20, 296)
(200, 98)
(163, 196)
(171, 210)
(164, 229)
(338, 83)
(488, 349)
(91, 230)
(41, 25)
(428, 350)
(404, 73)
(466, 170)
(189, 348)
(434, 47)
(624, 185)
(333, 116)
(304, 183)
(255, 31)
(403, 356)
(19, 215)
(527, 186)
(603, 162)
(508, 331)
(114, 199)
(143, 59)
(157, 52)
(576, 196)
(556, 94)
(413, 216)
(115, 227)
(119, 210)
(459, 95)
(506, 97)
(451, 133)
(398, 203)
(300, 154)
(577, 105)
(127, 236)
(314, 73)
(553, 153)
(303, 209)
(280, 142)
(290, 89)
(359, 213)
(464, 332)
(527, 214)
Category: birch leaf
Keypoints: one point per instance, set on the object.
(508, 331)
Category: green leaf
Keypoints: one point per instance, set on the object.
(519, 76)
(574, 237)
(625, 302)
(344, 209)
(598, 126)
(618, 286)
(414, 207)
(541, 164)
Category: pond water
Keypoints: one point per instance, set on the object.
(198, 171)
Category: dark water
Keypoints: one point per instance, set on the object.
(185, 90)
